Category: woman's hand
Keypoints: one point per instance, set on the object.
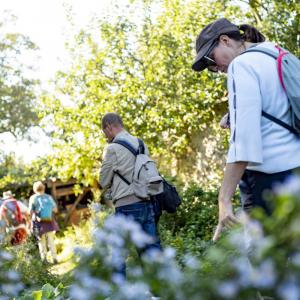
(226, 220)
(232, 176)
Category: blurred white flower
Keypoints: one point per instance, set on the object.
(191, 261)
(290, 187)
(136, 272)
(169, 253)
(295, 259)
(79, 293)
(12, 275)
(289, 291)
(228, 289)
(140, 238)
(6, 255)
(118, 279)
(96, 207)
(133, 291)
(264, 276)
(9, 289)
(242, 265)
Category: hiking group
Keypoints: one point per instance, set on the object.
(264, 119)
(20, 221)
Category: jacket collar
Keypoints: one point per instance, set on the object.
(121, 134)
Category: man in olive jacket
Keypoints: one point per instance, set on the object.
(119, 159)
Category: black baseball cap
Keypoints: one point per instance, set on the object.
(207, 37)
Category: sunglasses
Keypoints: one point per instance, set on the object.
(209, 62)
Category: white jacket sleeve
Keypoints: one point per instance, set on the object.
(108, 167)
(245, 106)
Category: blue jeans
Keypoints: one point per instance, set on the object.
(142, 213)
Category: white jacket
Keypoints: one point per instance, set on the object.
(118, 158)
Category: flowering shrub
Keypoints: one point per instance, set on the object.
(258, 257)
(10, 280)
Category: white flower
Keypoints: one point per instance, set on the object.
(289, 291)
(134, 291)
(79, 293)
(242, 265)
(264, 276)
(6, 255)
(290, 187)
(191, 262)
(96, 207)
(9, 288)
(295, 259)
(228, 289)
(140, 238)
(169, 253)
(12, 275)
(118, 279)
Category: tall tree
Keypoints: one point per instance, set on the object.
(279, 20)
(139, 65)
(142, 70)
(17, 87)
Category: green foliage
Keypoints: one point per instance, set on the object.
(190, 230)
(28, 264)
(150, 85)
(48, 292)
(17, 176)
(17, 90)
(139, 65)
(257, 257)
(279, 20)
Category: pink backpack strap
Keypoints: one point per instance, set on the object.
(279, 65)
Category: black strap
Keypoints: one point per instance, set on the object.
(266, 115)
(279, 122)
(122, 177)
(141, 147)
(128, 146)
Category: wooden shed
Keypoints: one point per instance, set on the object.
(72, 208)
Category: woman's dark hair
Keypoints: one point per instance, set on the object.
(249, 34)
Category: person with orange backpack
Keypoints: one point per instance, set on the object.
(13, 213)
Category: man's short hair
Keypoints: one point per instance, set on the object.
(111, 119)
(38, 187)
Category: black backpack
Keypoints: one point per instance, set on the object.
(169, 200)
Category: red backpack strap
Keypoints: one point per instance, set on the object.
(19, 213)
(279, 65)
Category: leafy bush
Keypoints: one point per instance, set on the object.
(26, 261)
(48, 292)
(257, 257)
(190, 229)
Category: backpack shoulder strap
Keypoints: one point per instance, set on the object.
(279, 122)
(130, 148)
(141, 147)
(262, 50)
(17, 209)
(276, 56)
(127, 145)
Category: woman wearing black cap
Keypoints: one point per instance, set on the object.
(261, 151)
